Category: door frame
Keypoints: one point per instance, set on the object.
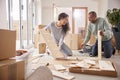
(73, 20)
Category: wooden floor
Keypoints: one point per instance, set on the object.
(36, 60)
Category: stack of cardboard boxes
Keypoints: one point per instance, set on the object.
(10, 69)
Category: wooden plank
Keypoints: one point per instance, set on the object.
(99, 46)
(82, 64)
(62, 75)
(59, 67)
(52, 45)
(90, 61)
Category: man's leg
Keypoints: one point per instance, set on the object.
(95, 49)
(108, 48)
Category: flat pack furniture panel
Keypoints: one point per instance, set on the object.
(52, 45)
(106, 65)
(7, 44)
(102, 68)
(62, 75)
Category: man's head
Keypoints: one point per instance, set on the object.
(92, 16)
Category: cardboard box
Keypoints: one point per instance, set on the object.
(73, 41)
(42, 47)
(7, 43)
(12, 70)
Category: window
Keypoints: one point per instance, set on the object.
(21, 19)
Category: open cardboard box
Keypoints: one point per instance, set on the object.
(12, 69)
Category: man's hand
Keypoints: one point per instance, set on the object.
(82, 45)
(101, 33)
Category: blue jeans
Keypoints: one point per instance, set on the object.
(66, 50)
(106, 47)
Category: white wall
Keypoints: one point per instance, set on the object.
(47, 7)
(102, 8)
(113, 4)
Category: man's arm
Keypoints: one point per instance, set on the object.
(88, 35)
(107, 30)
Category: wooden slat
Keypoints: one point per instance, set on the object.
(99, 46)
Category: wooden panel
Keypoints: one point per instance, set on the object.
(93, 72)
(82, 64)
(62, 75)
(106, 65)
(52, 45)
(102, 68)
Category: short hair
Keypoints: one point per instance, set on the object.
(93, 13)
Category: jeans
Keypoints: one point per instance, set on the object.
(106, 47)
(66, 50)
